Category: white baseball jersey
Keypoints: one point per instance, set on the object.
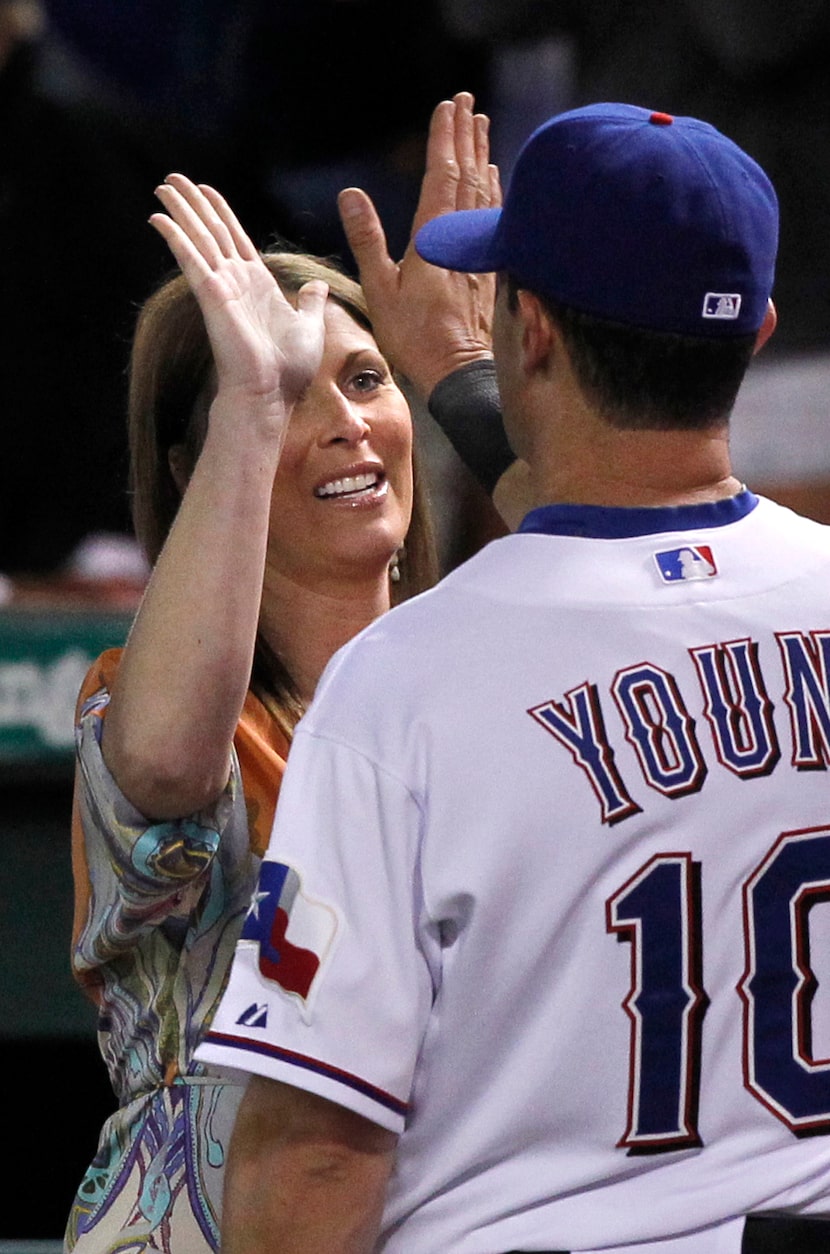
(548, 891)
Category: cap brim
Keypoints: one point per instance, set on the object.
(464, 240)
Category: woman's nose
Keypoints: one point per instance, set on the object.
(344, 420)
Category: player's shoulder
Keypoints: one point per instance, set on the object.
(396, 651)
(785, 527)
(766, 507)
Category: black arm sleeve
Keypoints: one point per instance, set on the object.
(467, 408)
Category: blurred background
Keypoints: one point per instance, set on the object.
(280, 104)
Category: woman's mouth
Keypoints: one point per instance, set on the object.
(352, 487)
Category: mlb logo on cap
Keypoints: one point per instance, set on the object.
(692, 561)
(722, 305)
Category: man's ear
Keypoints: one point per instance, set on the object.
(180, 468)
(766, 328)
(538, 333)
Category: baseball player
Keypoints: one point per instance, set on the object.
(535, 959)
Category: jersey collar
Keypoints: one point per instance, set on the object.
(602, 522)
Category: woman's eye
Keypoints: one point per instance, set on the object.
(367, 380)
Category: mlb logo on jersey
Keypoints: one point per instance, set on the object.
(293, 932)
(693, 561)
(723, 305)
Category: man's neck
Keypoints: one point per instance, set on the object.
(582, 459)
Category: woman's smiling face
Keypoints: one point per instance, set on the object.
(342, 496)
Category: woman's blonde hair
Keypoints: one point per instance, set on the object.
(171, 388)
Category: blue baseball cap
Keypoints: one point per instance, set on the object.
(642, 218)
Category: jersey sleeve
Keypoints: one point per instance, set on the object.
(332, 981)
(131, 874)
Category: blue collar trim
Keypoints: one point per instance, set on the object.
(601, 522)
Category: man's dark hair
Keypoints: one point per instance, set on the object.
(649, 379)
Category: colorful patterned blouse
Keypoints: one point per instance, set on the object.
(158, 909)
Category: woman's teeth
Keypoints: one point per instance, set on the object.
(347, 486)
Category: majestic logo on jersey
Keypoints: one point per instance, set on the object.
(693, 561)
(292, 931)
(722, 305)
(254, 1017)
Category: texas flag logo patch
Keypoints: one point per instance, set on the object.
(293, 932)
(693, 561)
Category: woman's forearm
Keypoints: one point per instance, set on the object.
(186, 667)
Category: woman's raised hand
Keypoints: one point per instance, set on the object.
(265, 348)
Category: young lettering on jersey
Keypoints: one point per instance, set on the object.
(655, 720)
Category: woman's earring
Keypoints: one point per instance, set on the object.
(394, 565)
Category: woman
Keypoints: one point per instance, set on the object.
(273, 489)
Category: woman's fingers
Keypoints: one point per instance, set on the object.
(312, 297)
(241, 240)
(205, 212)
(197, 217)
(260, 341)
(188, 258)
(190, 224)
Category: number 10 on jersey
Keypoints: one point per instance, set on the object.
(659, 912)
